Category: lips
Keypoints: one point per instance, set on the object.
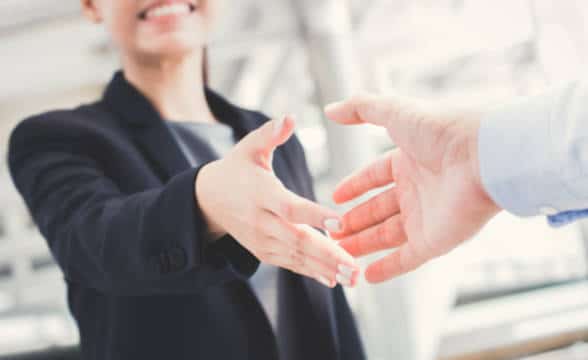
(168, 8)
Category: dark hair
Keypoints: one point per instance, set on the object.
(205, 66)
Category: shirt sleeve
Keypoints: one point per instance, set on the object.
(534, 154)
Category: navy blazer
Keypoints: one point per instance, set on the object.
(113, 195)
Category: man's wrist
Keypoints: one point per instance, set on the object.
(473, 134)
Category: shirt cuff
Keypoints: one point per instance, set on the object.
(567, 217)
(518, 164)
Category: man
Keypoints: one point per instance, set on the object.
(453, 171)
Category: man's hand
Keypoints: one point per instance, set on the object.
(437, 201)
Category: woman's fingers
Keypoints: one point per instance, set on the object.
(298, 262)
(298, 210)
(313, 247)
(401, 261)
(377, 174)
(386, 235)
(261, 143)
(315, 244)
(369, 213)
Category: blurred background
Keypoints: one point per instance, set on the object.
(518, 290)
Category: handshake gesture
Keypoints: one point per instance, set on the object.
(432, 196)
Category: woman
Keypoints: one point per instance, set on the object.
(158, 218)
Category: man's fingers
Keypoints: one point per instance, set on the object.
(386, 235)
(298, 210)
(369, 213)
(397, 263)
(377, 174)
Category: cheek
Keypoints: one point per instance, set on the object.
(122, 25)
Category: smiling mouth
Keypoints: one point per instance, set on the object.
(168, 9)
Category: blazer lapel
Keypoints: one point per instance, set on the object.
(148, 129)
(151, 132)
(161, 149)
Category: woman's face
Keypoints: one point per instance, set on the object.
(153, 27)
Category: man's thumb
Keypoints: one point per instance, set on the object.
(400, 116)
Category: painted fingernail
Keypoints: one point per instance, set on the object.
(345, 270)
(278, 125)
(333, 225)
(323, 280)
(343, 280)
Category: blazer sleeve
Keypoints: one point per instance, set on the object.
(151, 242)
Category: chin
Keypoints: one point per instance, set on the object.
(173, 46)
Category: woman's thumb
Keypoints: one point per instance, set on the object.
(263, 142)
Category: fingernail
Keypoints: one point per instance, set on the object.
(278, 125)
(343, 280)
(345, 270)
(333, 225)
(325, 281)
(331, 106)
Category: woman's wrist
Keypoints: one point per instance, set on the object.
(203, 192)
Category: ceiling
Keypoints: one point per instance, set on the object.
(415, 45)
(27, 12)
(50, 47)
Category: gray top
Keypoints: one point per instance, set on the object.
(200, 142)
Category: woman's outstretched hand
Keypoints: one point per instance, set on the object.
(437, 200)
(240, 195)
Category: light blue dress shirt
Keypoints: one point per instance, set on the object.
(534, 155)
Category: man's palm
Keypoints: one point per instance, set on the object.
(437, 200)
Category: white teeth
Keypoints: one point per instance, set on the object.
(172, 9)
